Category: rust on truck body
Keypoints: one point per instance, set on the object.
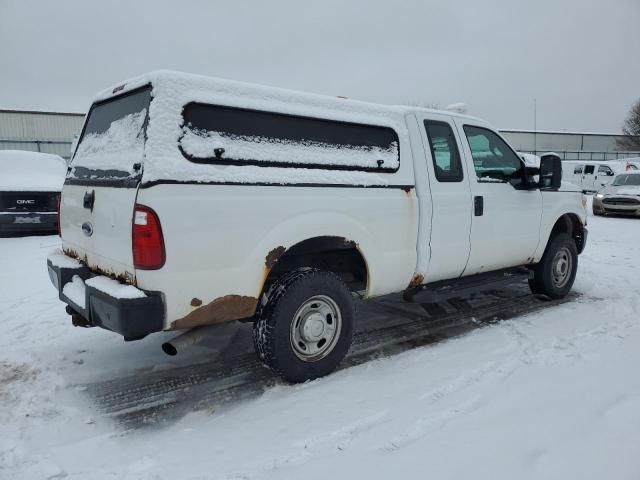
(273, 256)
(220, 310)
(126, 277)
(416, 281)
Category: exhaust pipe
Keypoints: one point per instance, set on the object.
(187, 339)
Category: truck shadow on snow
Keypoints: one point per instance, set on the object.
(384, 327)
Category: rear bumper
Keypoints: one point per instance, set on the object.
(14, 222)
(133, 318)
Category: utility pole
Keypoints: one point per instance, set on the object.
(535, 126)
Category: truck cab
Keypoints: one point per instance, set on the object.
(192, 202)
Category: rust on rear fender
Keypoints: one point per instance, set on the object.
(273, 256)
(416, 281)
(220, 310)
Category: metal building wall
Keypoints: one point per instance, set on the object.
(49, 132)
(569, 145)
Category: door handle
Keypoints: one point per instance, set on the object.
(89, 199)
(478, 205)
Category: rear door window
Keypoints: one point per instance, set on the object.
(236, 136)
(588, 169)
(444, 151)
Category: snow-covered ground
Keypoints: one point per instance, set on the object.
(555, 394)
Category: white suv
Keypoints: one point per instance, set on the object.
(195, 201)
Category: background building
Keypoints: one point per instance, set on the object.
(48, 132)
(569, 145)
(54, 132)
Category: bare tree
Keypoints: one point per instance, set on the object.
(631, 130)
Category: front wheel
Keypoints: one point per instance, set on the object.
(305, 328)
(556, 272)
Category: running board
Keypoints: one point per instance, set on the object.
(481, 282)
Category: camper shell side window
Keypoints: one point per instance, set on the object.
(222, 135)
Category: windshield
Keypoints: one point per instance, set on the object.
(627, 179)
(112, 142)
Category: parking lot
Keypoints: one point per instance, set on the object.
(420, 378)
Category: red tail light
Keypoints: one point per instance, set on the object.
(147, 240)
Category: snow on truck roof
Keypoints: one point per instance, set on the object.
(31, 171)
(192, 87)
(169, 136)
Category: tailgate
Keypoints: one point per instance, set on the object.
(99, 194)
(99, 236)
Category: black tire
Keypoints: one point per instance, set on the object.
(548, 278)
(279, 321)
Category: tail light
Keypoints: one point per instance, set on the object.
(58, 200)
(147, 240)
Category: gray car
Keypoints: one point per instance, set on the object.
(621, 197)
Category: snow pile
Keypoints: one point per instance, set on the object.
(75, 291)
(31, 171)
(118, 148)
(114, 288)
(202, 144)
(554, 394)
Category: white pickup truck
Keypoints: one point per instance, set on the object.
(193, 201)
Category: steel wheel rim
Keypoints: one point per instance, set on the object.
(561, 267)
(315, 328)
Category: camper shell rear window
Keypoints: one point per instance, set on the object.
(112, 141)
(225, 135)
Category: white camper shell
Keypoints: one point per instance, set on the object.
(194, 201)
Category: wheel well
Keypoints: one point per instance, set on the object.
(570, 224)
(335, 254)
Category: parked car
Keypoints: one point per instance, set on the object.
(592, 176)
(195, 201)
(30, 186)
(621, 197)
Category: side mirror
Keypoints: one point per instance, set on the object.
(550, 172)
(609, 173)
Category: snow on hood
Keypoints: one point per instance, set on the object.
(623, 190)
(567, 186)
(31, 171)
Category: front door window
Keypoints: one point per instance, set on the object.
(493, 159)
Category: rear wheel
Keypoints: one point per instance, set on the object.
(305, 328)
(556, 272)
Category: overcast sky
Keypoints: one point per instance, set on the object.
(578, 58)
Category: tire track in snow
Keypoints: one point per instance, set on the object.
(384, 328)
